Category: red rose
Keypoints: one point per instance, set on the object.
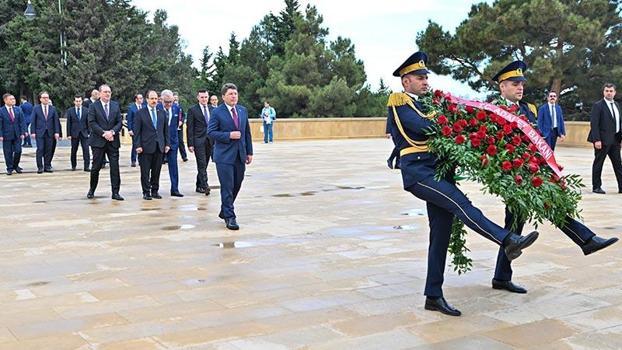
(491, 150)
(526, 156)
(534, 160)
(491, 140)
(510, 148)
(476, 142)
(452, 108)
(484, 159)
(533, 148)
(462, 122)
(517, 163)
(442, 120)
(458, 127)
(500, 135)
(507, 129)
(460, 139)
(469, 109)
(554, 178)
(501, 121)
(533, 168)
(513, 108)
(514, 125)
(483, 128)
(446, 131)
(506, 165)
(536, 181)
(481, 134)
(481, 115)
(518, 179)
(438, 93)
(516, 140)
(473, 122)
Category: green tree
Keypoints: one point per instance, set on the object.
(569, 45)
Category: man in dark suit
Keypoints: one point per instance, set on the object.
(173, 115)
(27, 110)
(551, 121)
(94, 98)
(151, 133)
(605, 127)
(199, 142)
(233, 149)
(12, 132)
(105, 123)
(45, 129)
(78, 132)
(131, 112)
(180, 128)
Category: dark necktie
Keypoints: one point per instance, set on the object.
(236, 121)
(45, 112)
(78, 113)
(11, 116)
(106, 111)
(206, 115)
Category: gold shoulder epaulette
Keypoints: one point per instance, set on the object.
(397, 99)
(532, 108)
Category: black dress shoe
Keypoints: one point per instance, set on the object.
(508, 285)
(133, 165)
(441, 305)
(48, 170)
(117, 197)
(185, 159)
(9, 172)
(221, 215)
(87, 170)
(176, 194)
(207, 191)
(156, 195)
(19, 170)
(232, 224)
(598, 190)
(73, 168)
(39, 171)
(90, 195)
(597, 243)
(147, 197)
(514, 244)
(200, 190)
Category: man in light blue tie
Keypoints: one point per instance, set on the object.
(78, 132)
(551, 121)
(151, 134)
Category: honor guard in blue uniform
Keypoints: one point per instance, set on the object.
(408, 126)
(511, 81)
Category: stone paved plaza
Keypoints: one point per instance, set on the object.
(331, 254)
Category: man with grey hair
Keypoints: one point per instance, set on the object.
(105, 124)
(173, 113)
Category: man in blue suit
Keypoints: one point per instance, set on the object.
(173, 115)
(78, 132)
(12, 132)
(131, 112)
(27, 110)
(233, 149)
(198, 141)
(152, 142)
(551, 121)
(45, 129)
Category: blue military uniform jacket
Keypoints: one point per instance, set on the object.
(408, 132)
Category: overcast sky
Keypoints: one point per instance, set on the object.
(383, 35)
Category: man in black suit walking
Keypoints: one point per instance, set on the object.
(605, 134)
(78, 132)
(198, 141)
(45, 129)
(105, 124)
(152, 142)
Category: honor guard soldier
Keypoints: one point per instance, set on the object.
(408, 125)
(511, 81)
